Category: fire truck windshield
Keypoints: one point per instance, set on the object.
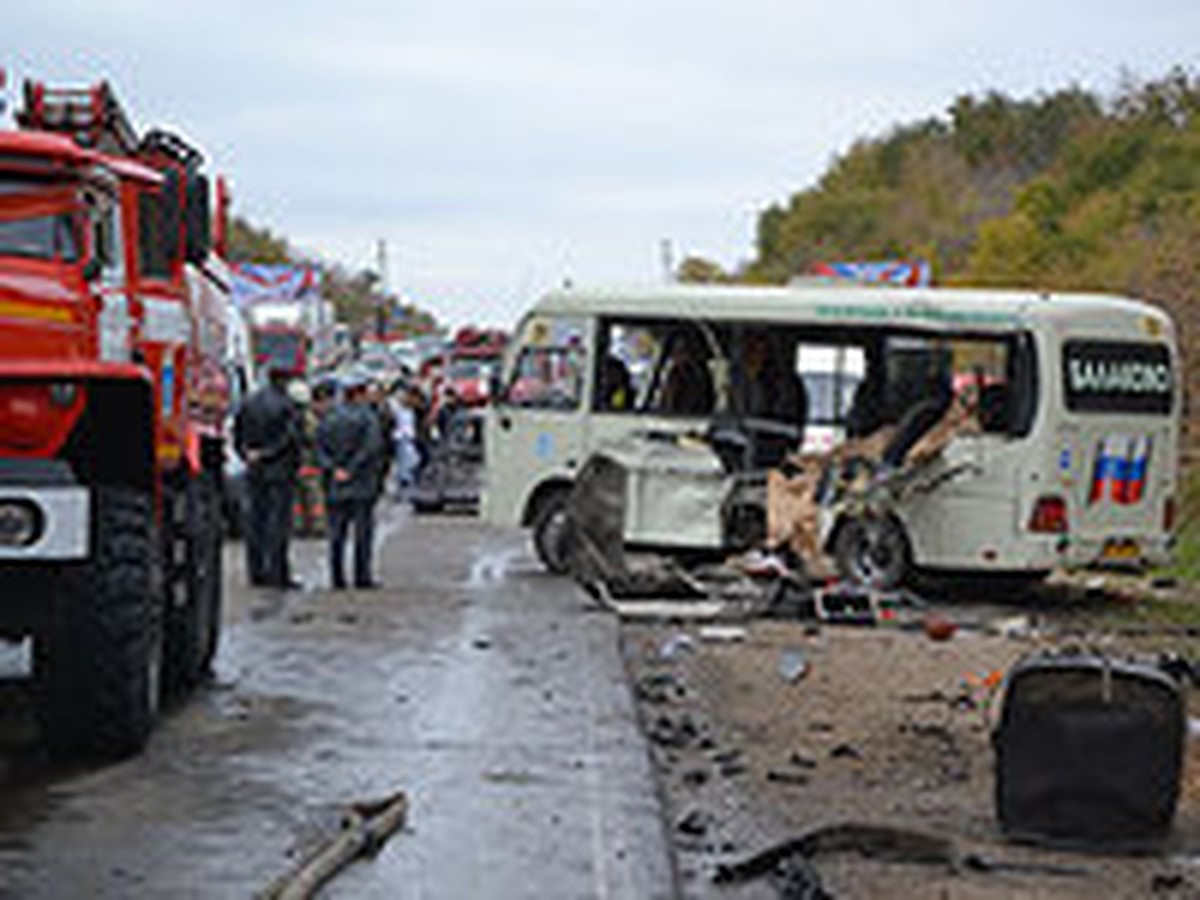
(39, 237)
(36, 221)
(279, 348)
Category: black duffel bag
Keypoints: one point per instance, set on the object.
(1089, 751)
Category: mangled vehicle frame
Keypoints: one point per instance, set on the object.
(864, 430)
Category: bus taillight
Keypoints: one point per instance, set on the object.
(1049, 516)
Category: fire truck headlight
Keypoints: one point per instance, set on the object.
(20, 523)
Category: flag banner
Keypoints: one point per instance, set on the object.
(258, 282)
(896, 272)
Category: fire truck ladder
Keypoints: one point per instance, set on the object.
(173, 147)
(91, 116)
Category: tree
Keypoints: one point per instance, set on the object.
(250, 243)
(697, 270)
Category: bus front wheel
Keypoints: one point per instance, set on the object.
(551, 533)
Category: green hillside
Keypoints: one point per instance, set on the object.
(1066, 190)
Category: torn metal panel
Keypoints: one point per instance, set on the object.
(598, 516)
(675, 498)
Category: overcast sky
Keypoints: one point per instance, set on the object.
(502, 147)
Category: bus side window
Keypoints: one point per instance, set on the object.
(1023, 381)
(626, 351)
(994, 408)
(615, 391)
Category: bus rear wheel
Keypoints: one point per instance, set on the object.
(873, 552)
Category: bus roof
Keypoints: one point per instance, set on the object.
(939, 309)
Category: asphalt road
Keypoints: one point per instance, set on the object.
(490, 693)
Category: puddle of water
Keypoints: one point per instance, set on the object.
(491, 567)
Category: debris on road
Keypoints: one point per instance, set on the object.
(938, 627)
(675, 646)
(877, 842)
(719, 634)
(793, 664)
(870, 841)
(695, 823)
(366, 827)
(888, 727)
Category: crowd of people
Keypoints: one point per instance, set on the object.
(357, 437)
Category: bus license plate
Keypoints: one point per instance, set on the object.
(1121, 551)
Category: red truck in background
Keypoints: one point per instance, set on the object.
(473, 363)
(280, 345)
(292, 327)
(113, 400)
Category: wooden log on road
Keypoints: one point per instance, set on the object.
(365, 829)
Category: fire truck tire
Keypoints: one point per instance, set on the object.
(552, 533)
(193, 627)
(205, 571)
(97, 665)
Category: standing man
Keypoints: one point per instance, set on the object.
(404, 437)
(350, 449)
(378, 402)
(267, 435)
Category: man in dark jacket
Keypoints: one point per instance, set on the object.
(267, 435)
(349, 450)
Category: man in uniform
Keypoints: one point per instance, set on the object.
(267, 435)
(350, 449)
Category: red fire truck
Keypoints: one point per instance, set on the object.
(112, 404)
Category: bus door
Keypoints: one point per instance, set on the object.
(537, 430)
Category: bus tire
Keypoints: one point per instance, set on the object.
(552, 533)
(97, 663)
(873, 551)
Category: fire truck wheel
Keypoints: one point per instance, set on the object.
(552, 533)
(205, 581)
(97, 664)
(193, 626)
(873, 552)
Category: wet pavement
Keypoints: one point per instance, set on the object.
(492, 694)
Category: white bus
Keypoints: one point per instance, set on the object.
(1073, 466)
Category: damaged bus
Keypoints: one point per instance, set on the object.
(878, 430)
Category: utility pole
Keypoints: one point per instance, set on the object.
(381, 302)
(667, 252)
(381, 263)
